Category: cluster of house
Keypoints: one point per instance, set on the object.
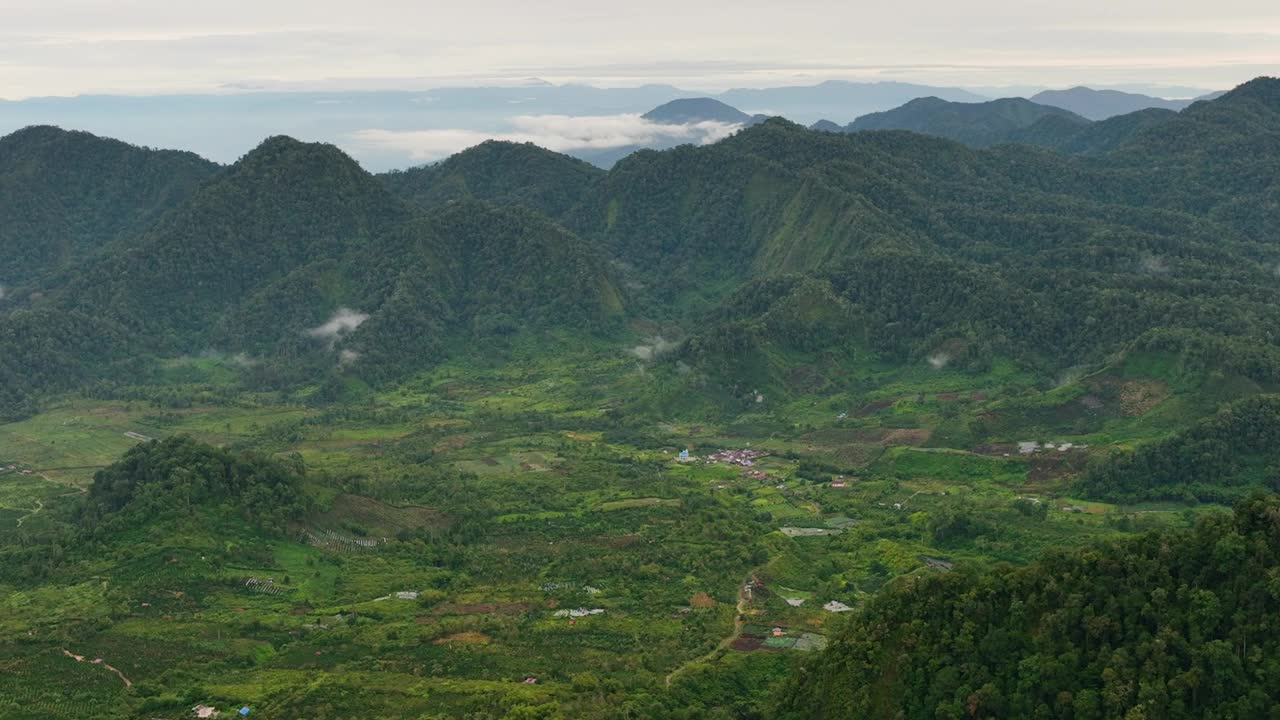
(745, 458)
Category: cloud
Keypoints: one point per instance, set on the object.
(342, 322)
(657, 347)
(561, 133)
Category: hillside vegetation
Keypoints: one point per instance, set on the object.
(1162, 626)
(511, 437)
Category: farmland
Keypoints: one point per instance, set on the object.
(485, 540)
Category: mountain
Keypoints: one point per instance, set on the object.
(502, 173)
(837, 98)
(286, 255)
(68, 194)
(1121, 630)
(283, 205)
(696, 110)
(223, 126)
(976, 124)
(887, 223)
(293, 234)
(826, 126)
(1097, 138)
(1102, 104)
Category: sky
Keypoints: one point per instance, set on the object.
(71, 47)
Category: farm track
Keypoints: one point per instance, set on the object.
(739, 621)
(99, 661)
(39, 508)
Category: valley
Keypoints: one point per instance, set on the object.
(762, 428)
(457, 514)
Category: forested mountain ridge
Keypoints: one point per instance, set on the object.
(67, 194)
(976, 124)
(1103, 104)
(282, 205)
(503, 173)
(287, 253)
(291, 234)
(1097, 138)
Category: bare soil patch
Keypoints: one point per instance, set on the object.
(702, 600)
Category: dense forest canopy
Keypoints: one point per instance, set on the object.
(68, 194)
(179, 475)
(1163, 626)
(1056, 260)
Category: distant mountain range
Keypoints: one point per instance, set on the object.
(421, 126)
(388, 130)
(1102, 104)
(1010, 120)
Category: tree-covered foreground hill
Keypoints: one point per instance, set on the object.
(1170, 626)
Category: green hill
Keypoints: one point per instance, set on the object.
(68, 194)
(288, 251)
(1097, 138)
(1177, 625)
(502, 173)
(975, 124)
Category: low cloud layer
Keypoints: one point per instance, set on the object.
(342, 322)
(656, 347)
(561, 133)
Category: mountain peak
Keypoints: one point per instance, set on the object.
(278, 147)
(1266, 89)
(693, 110)
(35, 132)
